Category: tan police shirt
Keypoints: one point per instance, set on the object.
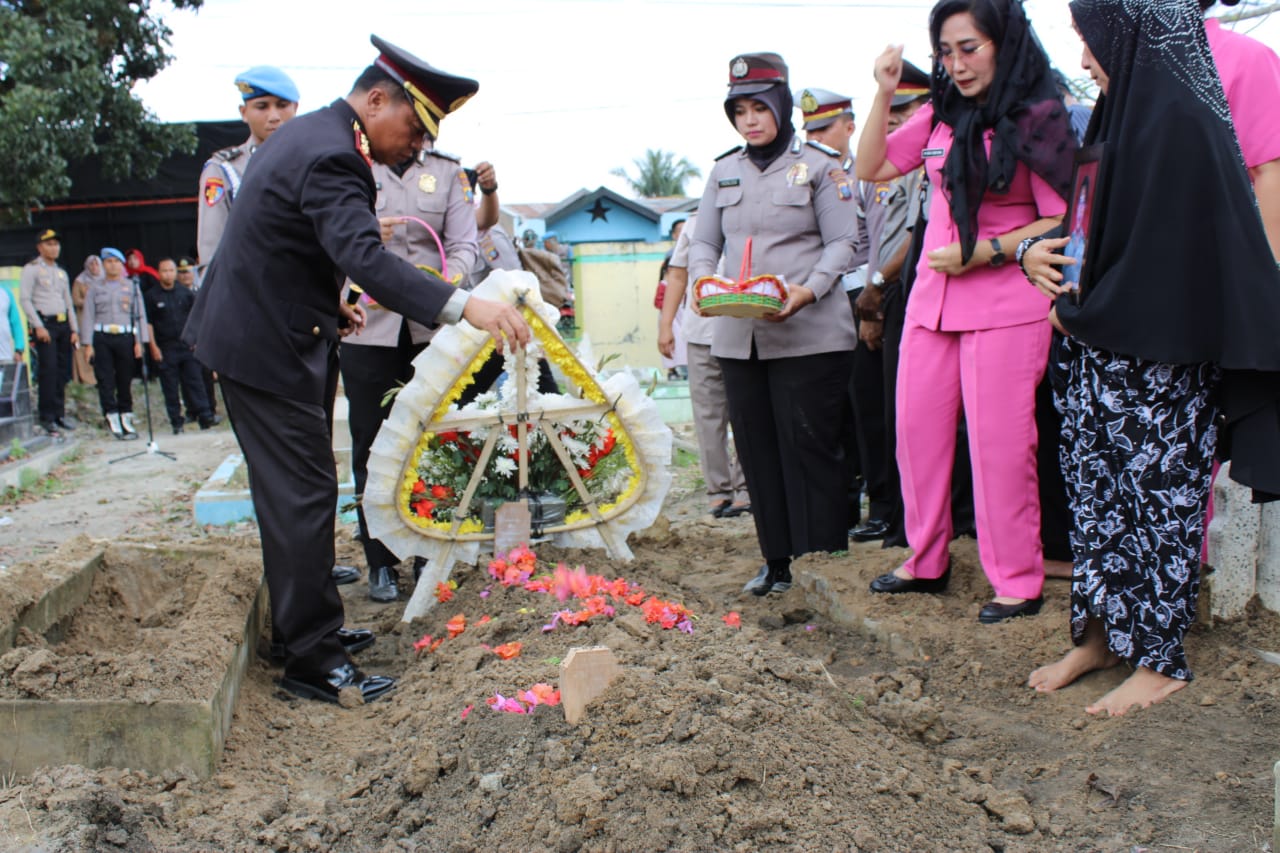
(219, 182)
(436, 190)
(43, 288)
(114, 306)
(801, 214)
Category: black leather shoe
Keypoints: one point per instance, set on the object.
(736, 510)
(66, 424)
(345, 574)
(869, 531)
(718, 509)
(327, 687)
(760, 581)
(891, 583)
(355, 639)
(991, 612)
(210, 422)
(382, 584)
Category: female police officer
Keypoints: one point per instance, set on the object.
(785, 374)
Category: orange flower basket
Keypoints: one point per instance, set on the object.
(750, 296)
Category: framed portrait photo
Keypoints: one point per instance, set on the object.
(1080, 219)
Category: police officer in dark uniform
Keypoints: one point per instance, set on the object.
(168, 307)
(269, 315)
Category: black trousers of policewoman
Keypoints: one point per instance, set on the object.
(788, 419)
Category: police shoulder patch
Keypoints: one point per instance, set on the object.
(825, 149)
(443, 155)
(734, 150)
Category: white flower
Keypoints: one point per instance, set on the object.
(508, 444)
(504, 466)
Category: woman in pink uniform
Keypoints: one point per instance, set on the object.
(997, 144)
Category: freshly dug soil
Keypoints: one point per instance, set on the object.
(830, 720)
(158, 624)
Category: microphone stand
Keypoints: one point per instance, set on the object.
(135, 316)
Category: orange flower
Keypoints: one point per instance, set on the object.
(733, 619)
(444, 590)
(456, 625)
(427, 644)
(540, 694)
(507, 651)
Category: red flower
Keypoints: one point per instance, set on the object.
(419, 487)
(732, 619)
(446, 437)
(456, 625)
(507, 651)
(444, 591)
(441, 492)
(423, 508)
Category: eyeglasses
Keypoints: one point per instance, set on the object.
(946, 56)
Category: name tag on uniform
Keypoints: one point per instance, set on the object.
(729, 182)
(933, 152)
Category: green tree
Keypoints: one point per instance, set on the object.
(658, 173)
(67, 68)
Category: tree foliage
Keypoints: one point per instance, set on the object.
(67, 69)
(658, 173)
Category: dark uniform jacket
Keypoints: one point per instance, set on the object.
(267, 313)
(167, 312)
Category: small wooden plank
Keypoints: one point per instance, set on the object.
(512, 526)
(584, 675)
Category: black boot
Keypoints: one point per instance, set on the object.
(777, 580)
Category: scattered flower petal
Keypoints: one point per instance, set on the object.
(733, 619)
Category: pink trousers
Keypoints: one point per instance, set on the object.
(993, 373)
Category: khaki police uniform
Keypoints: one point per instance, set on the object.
(436, 190)
(114, 318)
(219, 183)
(44, 292)
(786, 381)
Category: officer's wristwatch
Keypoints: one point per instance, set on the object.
(877, 280)
(997, 259)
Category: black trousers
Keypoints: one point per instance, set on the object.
(53, 368)
(867, 391)
(288, 446)
(1055, 514)
(787, 416)
(368, 373)
(113, 363)
(180, 376)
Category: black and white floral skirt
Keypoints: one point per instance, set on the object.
(1137, 454)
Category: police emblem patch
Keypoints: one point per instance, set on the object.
(463, 181)
(797, 174)
(214, 190)
(739, 68)
(841, 180)
(882, 193)
(808, 103)
(427, 183)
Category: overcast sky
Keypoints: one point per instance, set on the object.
(569, 89)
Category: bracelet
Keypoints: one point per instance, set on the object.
(489, 190)
(1022, 250)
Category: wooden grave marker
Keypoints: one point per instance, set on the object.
(584, 675)
(512, 526)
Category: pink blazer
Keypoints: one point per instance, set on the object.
(986, 297)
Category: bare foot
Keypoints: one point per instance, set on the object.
(1142, 689)
(1058, 569)
(1077, 662)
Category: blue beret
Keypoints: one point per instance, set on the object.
(266, 80)
(109, 252)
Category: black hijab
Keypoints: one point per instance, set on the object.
(778, 99)
(1178, 268)
(1023, 106)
